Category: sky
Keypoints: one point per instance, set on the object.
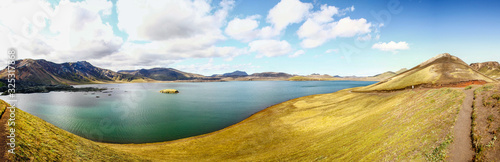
(334, 37)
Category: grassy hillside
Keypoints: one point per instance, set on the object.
(38, 140)
(486, 123)
(491, 69)
(342, 126)
(442, 70)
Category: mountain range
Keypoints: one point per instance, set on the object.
(491, 68)
(162, 74)
(82, 72)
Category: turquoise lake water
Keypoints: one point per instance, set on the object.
(138, 113)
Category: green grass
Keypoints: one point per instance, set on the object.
(483, 135)
(341, 126)
(468, 87)
(439, 153)
(496, 96)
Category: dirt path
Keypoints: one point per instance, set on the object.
(3, 133)
(461, 148)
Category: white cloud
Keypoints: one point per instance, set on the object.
(270, 48)
(76, 30)
(391, 46)
(288, 12)
(162, 54)
(315, 33)
(348, 27)
(243, 29)
(325, 14)
(177, 30)
(283, 14)
(296, 54)
(170, 19)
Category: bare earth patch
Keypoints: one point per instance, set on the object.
(461, 148)
(486, 123)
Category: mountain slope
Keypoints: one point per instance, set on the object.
(491, 68)
(272, 74)
(235, 74)
(46, 72)
(439, 71)
(163, 74)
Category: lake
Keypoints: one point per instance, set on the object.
(138, 113)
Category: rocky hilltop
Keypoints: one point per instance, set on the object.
(49, 73)
(236, 73)
(491, 68)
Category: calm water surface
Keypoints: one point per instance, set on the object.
(138, 113)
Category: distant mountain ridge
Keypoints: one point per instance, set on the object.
(272, 74)
(46, 72)
(161, 74)
(82, 72)
(236, 73)
(490, 68)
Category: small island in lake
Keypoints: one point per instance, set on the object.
(169, 91)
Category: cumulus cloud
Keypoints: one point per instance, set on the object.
(170, 19)
(315, 33)
(270, 48)
(243, 29)
(75, 32)
(320, 26)
(288, 12)
(176, 30)
(297, 54)
(283, 14)
(391, 46)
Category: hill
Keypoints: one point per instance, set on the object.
(378, 77)
(49, 73)
(313, 77)
(235, 74)
(440, 71)
(491, 68)
(272, 74)
(162, 74)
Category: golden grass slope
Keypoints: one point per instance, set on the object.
(342, 126)
(491, 68)
(444, 69)
(37, 140)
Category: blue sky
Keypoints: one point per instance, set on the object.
(344, 37)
